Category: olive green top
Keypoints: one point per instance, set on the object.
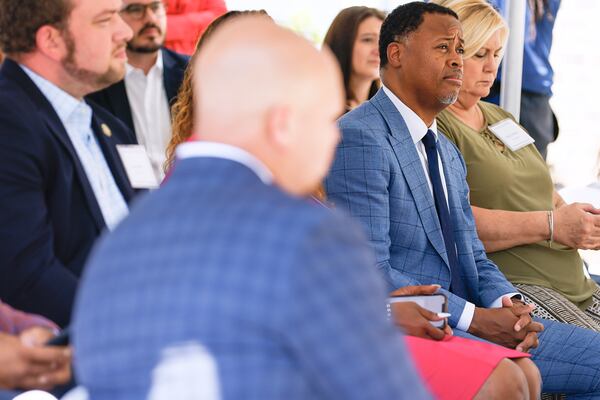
(502, 179)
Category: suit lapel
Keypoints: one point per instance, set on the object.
(171, 77)
(412, 170)
(117, 97)
(58, 130)
(112, 157)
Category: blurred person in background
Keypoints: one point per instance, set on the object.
(183, 109)
(187, 20)
(142, 100)
(263, 140)
(526, 227)
(353, 37)
(536, 115)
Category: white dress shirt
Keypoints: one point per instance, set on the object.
(76, 117)
(225, 151)
(418, 129)
(150, 111)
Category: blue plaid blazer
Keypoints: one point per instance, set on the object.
(378, 178)
(281, 291)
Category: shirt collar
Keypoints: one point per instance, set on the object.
(158, 66)
(225, 151)
(66, 106)
(416, 126)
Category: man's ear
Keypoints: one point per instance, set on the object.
(278, 124)
(395, 53)
(50, 42)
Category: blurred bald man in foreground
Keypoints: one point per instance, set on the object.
(227, 271)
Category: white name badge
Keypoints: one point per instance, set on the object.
(137, 166)
(511, 134)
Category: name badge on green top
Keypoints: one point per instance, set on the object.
(511, 134)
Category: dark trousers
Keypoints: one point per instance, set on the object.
(538, 119)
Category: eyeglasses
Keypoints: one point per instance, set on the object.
(138, 10)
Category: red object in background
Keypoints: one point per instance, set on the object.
(187, 19)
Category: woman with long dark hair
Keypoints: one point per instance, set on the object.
(353, 37)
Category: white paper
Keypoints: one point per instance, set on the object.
(511, 134)
(137, 166)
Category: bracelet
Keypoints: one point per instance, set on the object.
(551, 226)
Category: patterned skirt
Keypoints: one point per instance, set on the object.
(552, 305)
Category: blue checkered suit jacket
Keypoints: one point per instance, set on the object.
(378, 177)
(282, 292)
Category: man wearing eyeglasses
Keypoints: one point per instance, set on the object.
(142, 100)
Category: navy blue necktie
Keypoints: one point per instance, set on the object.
(457, 286)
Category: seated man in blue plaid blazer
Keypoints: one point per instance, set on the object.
(227, 262)
(407, 186)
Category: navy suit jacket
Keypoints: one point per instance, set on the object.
(49, 216)
(281, 292)
(378, 177)
(114, 98)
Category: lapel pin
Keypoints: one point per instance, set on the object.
(106, 130)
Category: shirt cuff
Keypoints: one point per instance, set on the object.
(466, 317)
(498, 302)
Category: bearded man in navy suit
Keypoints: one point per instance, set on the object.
(61, 180)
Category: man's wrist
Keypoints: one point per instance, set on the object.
(475, 327)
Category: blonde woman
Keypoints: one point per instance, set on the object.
(526, 227)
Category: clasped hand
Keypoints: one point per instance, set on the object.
(510, 326)
(577, 225)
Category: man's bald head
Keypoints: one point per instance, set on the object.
(265, 89)
(249, 65)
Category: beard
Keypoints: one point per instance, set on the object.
(448, 99)
(144, 49)
(96, 80)
(149, 48)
